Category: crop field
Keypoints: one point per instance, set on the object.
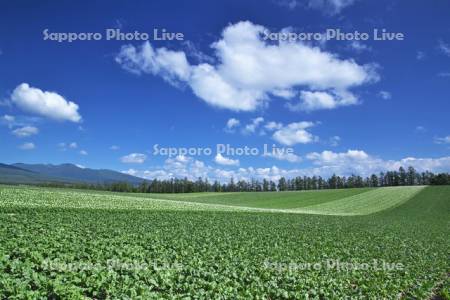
(384, 243)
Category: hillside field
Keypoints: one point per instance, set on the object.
(369, 243)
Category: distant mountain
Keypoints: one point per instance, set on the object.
(13, 174)
(69, 173)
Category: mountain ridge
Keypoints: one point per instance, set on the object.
(61, 173)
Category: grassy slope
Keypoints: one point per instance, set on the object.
(284, 200)
(369, 202)
(223, 253)
(328, 202)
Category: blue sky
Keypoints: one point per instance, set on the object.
(341, 106)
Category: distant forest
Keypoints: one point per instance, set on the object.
(401, 177)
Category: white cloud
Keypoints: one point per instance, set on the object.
(25, 131)
(27, 146)
(222, 160)
(171, 65)
(131, 172)
(182, 158)
(231, 124)
(44, 103)
(290, 157)
(325, 164)
(83, 152)
(444, 47)
(194, 52)
(444, 74)
(360, 163)
(80, 166)
(251, 127)
(442, 140)
(9, 121)
(64, 146)
(250, 70)
(329, 157)
(284, 93)
(295, 133)
(359, 47)
(114, 147)
(385, 95)
(273, 126)
(134, 158)
(179, 167)
(311, 101)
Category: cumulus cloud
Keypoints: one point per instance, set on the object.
(284, 93)
(295, 133)
(27, 146)
(134, 158)
(361, 163)
(249, 70)
(171, 65)
(324, 164)
(132, 172)
(222, 160)
(232, 124)
(273, 126)
(332, 158)
(178, 167)
(45, 103)
(284, 155)
(253, 126)
(73, 145)
(25, 131)
(83, 152)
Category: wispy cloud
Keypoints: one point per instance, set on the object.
(444, 47)
(134, 158)
(25, 131)
(27, 146)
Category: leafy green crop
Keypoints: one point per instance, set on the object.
(71, 245)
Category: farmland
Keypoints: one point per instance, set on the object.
(363, 243)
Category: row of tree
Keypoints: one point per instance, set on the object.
(401, 177)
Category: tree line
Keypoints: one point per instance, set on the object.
(402, 177)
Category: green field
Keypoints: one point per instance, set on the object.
(72, 244)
